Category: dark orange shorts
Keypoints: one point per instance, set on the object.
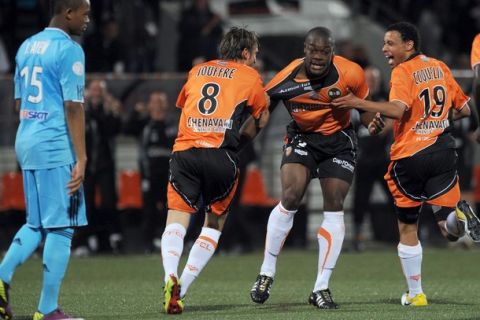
(430, 178)
(202, 178)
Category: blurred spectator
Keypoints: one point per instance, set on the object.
(200, 30)
(4, 59)
(102, 124)
(139, 23)
(355, 52)
(156, 136)
(104, 50)
(372, 161)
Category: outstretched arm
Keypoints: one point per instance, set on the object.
(392, 110)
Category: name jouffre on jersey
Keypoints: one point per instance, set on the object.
(209, 125)
(211, 71)
(428, 74)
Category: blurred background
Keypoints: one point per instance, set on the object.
(137, 55)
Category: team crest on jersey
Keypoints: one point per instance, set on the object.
(334, 93)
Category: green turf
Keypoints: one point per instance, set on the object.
(367, 286)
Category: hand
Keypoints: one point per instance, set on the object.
(348, 101)
(376, 125)
(78, 175)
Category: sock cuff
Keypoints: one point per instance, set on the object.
(213, 234)
(175, 227)
(406, 252)
(282, 208)
(333, 216)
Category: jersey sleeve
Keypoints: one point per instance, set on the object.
(400, 87)
(257, 100)
(475, 54)
(18, 83)
(181, 98)
(458, 97)
(72, 73)
(356, 81)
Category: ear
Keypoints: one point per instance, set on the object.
(68, 14)
(245, 54)
(410, 45)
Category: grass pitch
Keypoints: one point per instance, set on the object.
(367, 286)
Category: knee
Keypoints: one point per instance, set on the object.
(291, 199)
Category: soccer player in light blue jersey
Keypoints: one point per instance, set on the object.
(50, 147)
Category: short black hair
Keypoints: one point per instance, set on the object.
(408, 32)
(235, 40)
(58, 6)
(320, 32)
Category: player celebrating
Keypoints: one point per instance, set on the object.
(320, 144)
(423, 159)
(204, 165)
(50, 147)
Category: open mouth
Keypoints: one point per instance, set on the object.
(390, 60)
(317, 66)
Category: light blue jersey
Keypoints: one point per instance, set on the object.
(49, 70)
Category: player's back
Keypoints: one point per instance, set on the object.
(427, 87)
(213, 102)
(43, 66)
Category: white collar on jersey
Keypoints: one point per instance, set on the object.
(58, 29)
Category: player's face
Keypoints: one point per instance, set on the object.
(395, 49)
(318, 55)
(79, 19)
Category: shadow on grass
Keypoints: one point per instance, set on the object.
(430, 302)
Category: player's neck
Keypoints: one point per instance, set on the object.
(59, 24)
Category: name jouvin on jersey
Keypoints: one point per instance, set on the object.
(218, 72)
(428, 74)
(209, 125)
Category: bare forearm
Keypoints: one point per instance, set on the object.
(387, 109)
(76, 126)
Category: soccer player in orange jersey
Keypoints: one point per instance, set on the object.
(320, 143)
(204, 164)
(423, 167)
(475, 62)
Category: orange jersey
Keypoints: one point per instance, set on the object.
(308, 101)
(213, 101)
(475, 55)
(426, 86)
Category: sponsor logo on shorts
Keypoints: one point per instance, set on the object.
(301, 152)
(344, 164)
(33, 115)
